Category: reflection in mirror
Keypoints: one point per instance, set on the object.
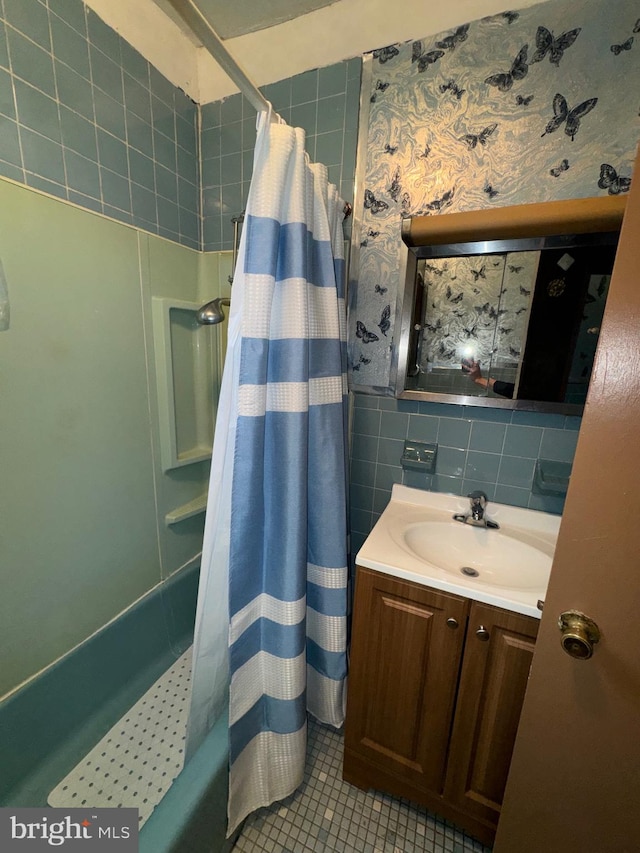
(510, 322)
(478, 313)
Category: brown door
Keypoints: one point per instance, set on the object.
(574, 782)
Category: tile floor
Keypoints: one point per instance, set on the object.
(327, 814)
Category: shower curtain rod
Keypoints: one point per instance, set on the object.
(200, 26)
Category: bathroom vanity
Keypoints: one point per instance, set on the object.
(440, 658)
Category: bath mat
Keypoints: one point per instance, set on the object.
(135, 763)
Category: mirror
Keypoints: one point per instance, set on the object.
(510, 318)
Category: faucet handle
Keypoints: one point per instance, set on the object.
(478, 498)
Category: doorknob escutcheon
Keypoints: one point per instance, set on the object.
(579, 634)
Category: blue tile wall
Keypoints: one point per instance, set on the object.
(84, 117)
(324, 102)
(490, 449)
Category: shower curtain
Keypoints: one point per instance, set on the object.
(276, 517)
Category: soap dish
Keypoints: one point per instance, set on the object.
(551, 477)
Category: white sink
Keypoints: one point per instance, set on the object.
(489, 556)
(417, 539)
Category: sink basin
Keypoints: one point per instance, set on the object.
(416, 539)
(488, 556)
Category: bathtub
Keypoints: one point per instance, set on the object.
(48, 725)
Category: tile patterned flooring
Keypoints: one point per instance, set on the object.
(327, 814)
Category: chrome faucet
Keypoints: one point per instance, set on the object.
(476, 514)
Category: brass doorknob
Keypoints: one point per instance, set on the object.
(579, 634)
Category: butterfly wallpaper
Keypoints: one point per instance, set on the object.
(520, 107)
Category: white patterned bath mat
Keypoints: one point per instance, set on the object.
(135, 763)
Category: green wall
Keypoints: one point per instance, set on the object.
(83, 498)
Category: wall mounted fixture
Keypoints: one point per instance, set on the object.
(212, 313)
(419, 456)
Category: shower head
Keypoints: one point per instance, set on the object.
(212, 312)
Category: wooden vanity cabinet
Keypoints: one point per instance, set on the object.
(436, 687)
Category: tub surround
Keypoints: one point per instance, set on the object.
(85, 495)
(51, 722)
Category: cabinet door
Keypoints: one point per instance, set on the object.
(493, 681)
(405, 662)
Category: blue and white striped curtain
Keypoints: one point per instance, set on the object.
(287, 537)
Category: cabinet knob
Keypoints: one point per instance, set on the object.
(452, 623)
(482, 634)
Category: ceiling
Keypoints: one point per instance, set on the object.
(276, 39)
(246, 16)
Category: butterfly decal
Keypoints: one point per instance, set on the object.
(371, 233)
(425, 153)
(454, 299)
(424, 60)
(523, 101)
(515, 269)
(524, 291)
(364, 244)
(504, 331)
(362, 360)
(611, 181)
(490, 191)
(390, 149)
(617, 49)
(435, 270)
(443, 201)
(385, 323)
(555, 47)
(481, 273)
(444, 352)
(396, 187)
(381, 290)
(384, 54)
(514, 352)
(380, 87)
(452, 86)
(518, 71)
(362, 333)
(509, 17)
(562, 113)
(521, 310)
(450, 42)
(558, 170)
(471, 140)
(373, 204)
